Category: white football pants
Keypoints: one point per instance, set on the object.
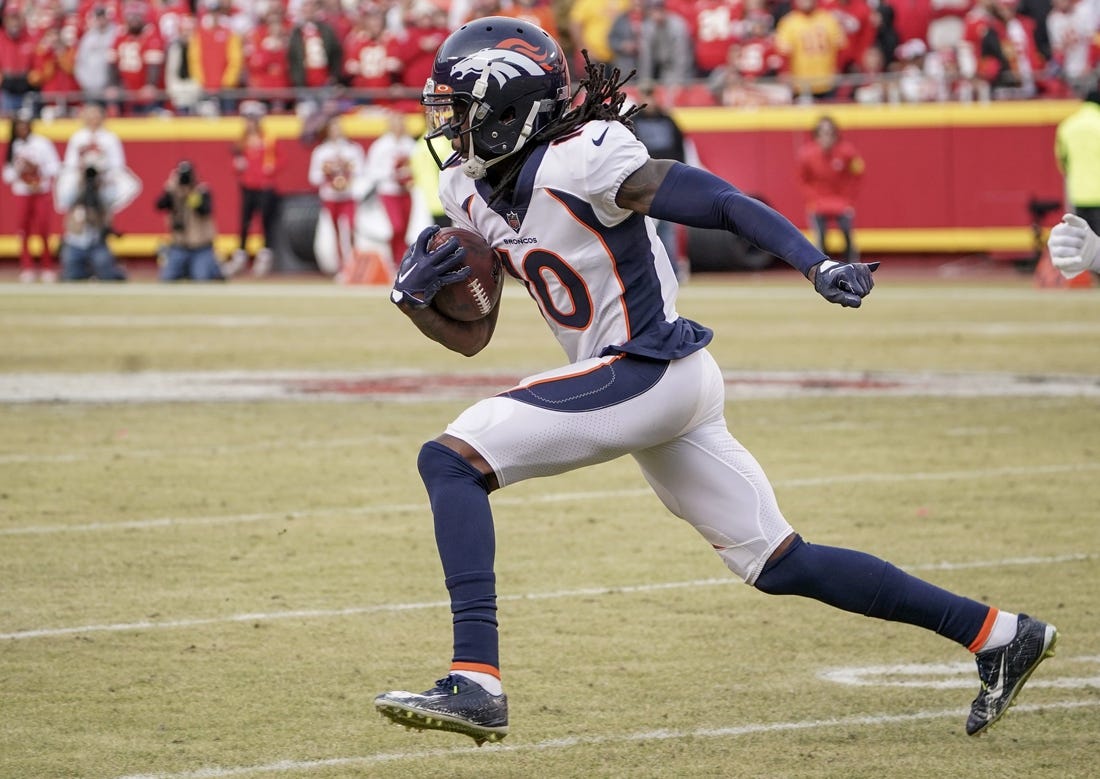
(675, 429)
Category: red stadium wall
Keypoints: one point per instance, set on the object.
(940, 178)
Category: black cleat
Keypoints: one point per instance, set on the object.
(455, 704)
(1003, 671)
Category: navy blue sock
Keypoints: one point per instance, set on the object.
(464, 535)
(859, 582)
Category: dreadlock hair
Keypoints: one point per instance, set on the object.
(603, 100)
(19, 118)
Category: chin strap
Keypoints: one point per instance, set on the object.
(475, 167)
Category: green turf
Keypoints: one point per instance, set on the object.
(220, 589)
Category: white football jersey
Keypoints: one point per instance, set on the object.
(598, 272)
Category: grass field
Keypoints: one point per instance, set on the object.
(215, 549)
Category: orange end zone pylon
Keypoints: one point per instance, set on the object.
(1049, 277)
(370, 267)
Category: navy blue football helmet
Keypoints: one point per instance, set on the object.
(495, 82)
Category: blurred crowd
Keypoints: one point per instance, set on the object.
(206, 56)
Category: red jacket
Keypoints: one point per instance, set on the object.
(370, 62)
(1016, 38)
(17, 54)
(417, 53)
(53, 64)
(267, 65)
(135, 54)
(214, 54)
(715, 25)
(829, 180)
(257, 160)
(855, 19)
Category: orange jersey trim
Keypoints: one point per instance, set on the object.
(610, 256)
(604, 362)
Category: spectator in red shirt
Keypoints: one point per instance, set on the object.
(314, 52)
(752, 57)
(910, 18)
(1003, 49)
(370, 55)
(332, 12)
(855, 19)
(17, 47)
(266, 59)
(425, 30)
(214, 54)
(256, 161)
(136, 61)
(829, 172)
(716, 25)
(55, 60)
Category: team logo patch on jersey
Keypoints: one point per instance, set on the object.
(513, 220)
(508, 59)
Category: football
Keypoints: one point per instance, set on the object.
(475, 297)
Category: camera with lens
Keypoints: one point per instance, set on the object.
(91, 174)
(185, 174)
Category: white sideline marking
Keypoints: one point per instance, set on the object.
(564, 497)
(733, 731)
(39, 322)
(942, 676)
(387, 608)
(342, 386)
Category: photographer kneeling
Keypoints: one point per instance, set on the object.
(87, 223)
(190, 219)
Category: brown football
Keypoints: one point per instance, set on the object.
(475, 297)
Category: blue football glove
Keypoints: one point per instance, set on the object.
(844, 284)
(424, 272)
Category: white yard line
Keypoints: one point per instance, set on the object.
(390, 608)
(572, 742)
(1021, 471)
(945, 676)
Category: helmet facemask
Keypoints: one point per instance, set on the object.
(488, 136)
(444, 118)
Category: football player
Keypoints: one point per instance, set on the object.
(568, 196)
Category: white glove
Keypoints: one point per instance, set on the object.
(1074, 248)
